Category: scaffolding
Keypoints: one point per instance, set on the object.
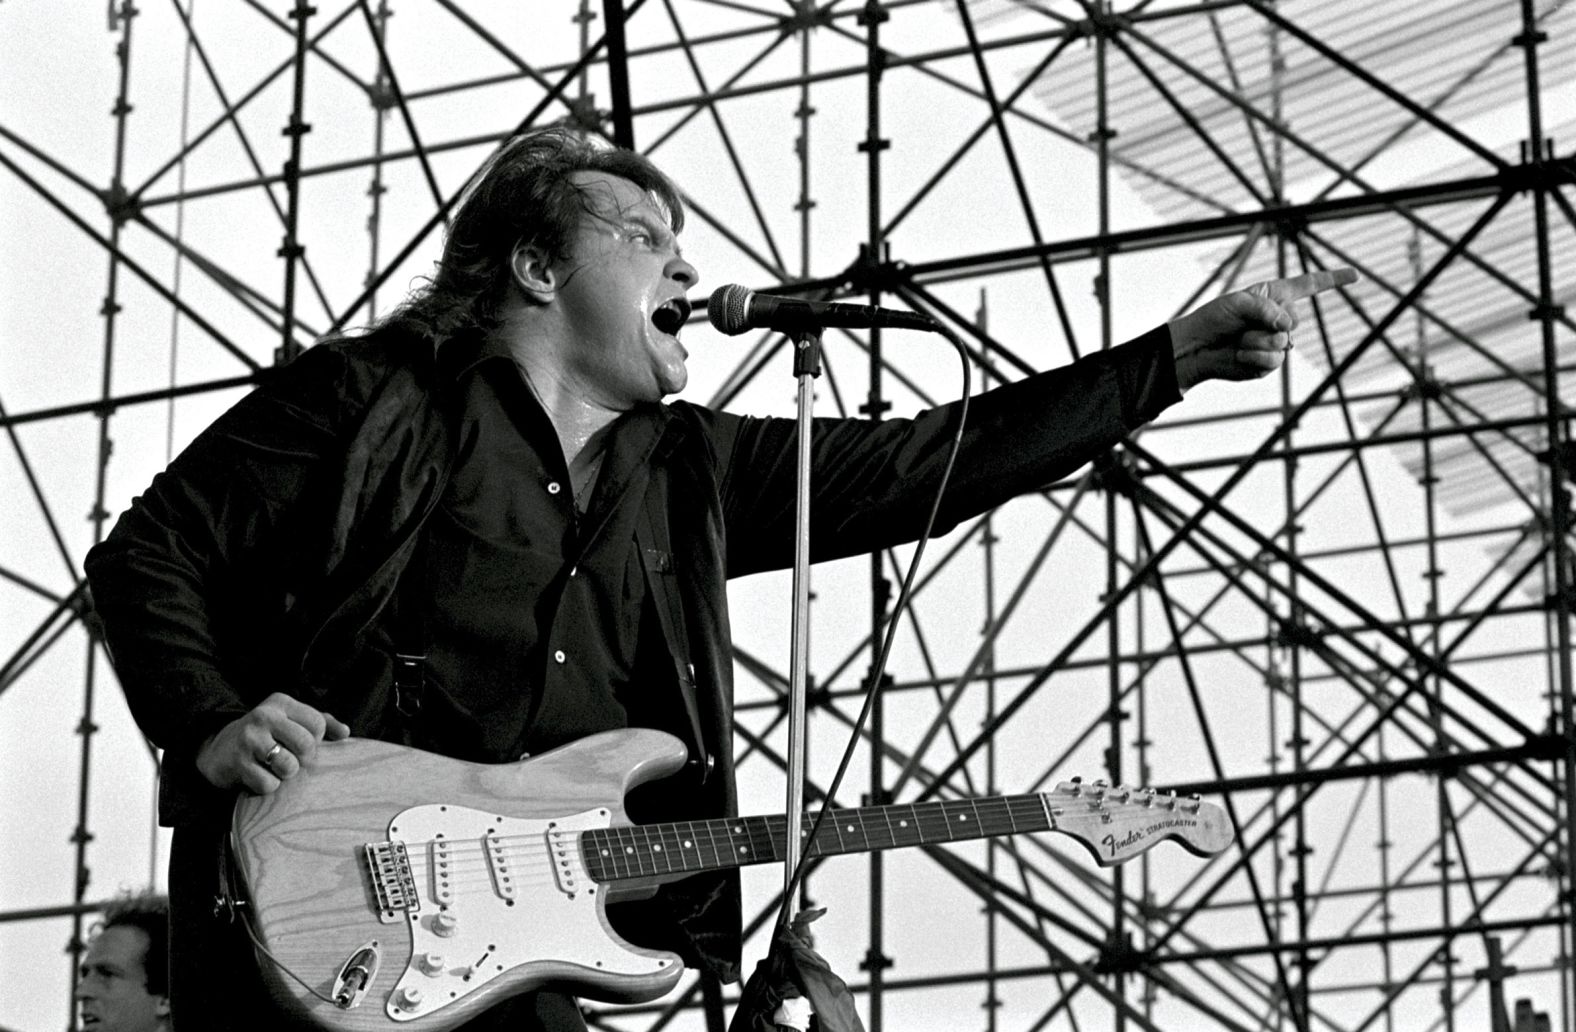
(1336, 602)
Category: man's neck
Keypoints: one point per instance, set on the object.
(580, 423)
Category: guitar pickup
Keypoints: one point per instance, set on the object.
(498, 864)
(388, 863)
(562, 844)
(442, 871)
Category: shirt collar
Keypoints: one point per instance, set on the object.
(468, 349)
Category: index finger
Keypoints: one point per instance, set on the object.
(308, 717)
(1295, 288)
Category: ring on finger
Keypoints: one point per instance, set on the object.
(269, 756)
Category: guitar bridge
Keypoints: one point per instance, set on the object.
(392, 882)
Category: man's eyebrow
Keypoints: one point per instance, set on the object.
(646, 220)
(651, 221)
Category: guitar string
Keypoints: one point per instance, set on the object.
(470, 865)
(638, 841)
(642, 842)
(992, 811)
(471, 871)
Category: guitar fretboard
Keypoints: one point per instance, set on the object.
(686, 847)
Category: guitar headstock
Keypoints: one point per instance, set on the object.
(1117, 822)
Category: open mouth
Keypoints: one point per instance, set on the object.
(671, 316)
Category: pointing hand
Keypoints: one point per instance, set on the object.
(1245, 334)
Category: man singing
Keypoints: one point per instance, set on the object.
(477, 529)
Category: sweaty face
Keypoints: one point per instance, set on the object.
(112, 993)
(621, 292)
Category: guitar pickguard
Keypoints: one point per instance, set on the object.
(501, 893)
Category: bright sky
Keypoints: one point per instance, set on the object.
(58, 82)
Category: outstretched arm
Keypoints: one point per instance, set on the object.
(1245, 334)
(874, 480)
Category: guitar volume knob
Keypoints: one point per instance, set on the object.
(445, 924)
(409, 997)
(431, 963)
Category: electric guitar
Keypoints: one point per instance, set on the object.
(392, 888)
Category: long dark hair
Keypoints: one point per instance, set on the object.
(522, 195)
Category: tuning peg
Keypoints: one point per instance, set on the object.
(1194, 802)
(1149, 797)
(1171, 801)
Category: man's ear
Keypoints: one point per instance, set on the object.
(533, 273)
(162, 1008)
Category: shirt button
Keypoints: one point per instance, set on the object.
(559, 656)
(553, 487)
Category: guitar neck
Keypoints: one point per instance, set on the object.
(689, 847)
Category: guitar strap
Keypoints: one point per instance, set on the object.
(656, 559)
(410, 631)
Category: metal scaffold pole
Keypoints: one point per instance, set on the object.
(1338, 602)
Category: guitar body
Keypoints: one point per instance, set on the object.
(484, 893)
(391, 888)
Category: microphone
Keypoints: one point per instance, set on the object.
(734, 309)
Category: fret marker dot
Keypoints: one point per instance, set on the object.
(606, 853)
(744, 849)
(963, 816)
(738, 829)
(629, 849)
(902, 824)
(688, 844)
(848, 828)
(656, 849)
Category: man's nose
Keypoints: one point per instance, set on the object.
(683, 272)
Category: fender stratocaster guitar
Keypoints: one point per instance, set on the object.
(392, 888)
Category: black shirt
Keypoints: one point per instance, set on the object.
(534, 617)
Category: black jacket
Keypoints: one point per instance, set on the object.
(257, 559)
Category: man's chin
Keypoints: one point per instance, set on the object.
(673, 381)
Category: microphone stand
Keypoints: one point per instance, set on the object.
(806, 367)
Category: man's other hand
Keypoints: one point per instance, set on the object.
(1245, 334)
(268, 745)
